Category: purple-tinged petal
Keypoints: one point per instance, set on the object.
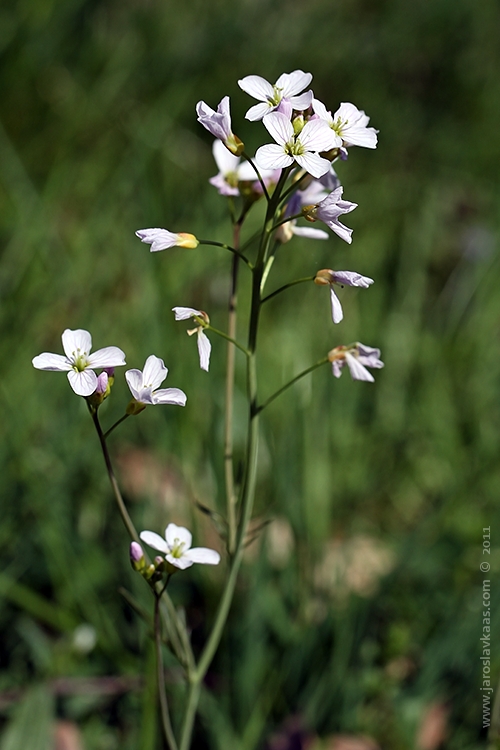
(179, 562)
(258, 112)
(311, 233)
(222, 185)
(83, 383)
(337, 366)
(302, 102)
(351, 278)
(358, 372)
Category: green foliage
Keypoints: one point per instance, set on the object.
(364, 606)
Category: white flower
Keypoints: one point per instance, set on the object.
(349, 278)
(357, 357)
(303, 148)
(204, 345)
(232, 171)
(328, 211)
(143, 385)
(78, 362)
(219, 124)
(161, 239)
(349, 123)
(177, 547)
(285, 90)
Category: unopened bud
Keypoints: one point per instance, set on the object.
(137, 559)
(298, 124)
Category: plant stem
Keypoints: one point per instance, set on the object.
(227, 247)
(114, 484)
(228, 417)
(165, 717)
(291, 382)
(287, 286)
(232, 341)
(122, 419)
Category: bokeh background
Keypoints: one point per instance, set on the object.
(359, 610)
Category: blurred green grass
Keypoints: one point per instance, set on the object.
(98, 137)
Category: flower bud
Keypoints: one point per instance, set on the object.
(298, 124)
(137, 559)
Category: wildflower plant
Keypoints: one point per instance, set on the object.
(295, 180)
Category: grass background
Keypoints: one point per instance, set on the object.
(360, 605)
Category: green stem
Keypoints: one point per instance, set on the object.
(285, 220)
(287, 286)
(232, 341)
(293, 187)
(291, 382)
(229, 395)
(165, 716)
(114, 484)
(227, 247)
(262, 184)
(122, 419)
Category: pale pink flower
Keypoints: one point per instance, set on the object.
(302, 148)
(78, 362)
(349, 124)
(219, 124)
(357, 357)
(176, 546)
(161, 239)
(348, 278)
(329, 210)
(204, 345)
(284, 94)
(144, 386)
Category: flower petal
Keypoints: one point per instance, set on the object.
(302, 102)
(170, 396)
(317, 136)
(293, 83)
(225, 160)
(183, 313)
(351, 278)
(257, 87)
(110, 356)
(135, 383)
(272, 156)
(311, 232)
(313, 163)
(159, 239)
(179, 562)
(279, 127)
(337, 312)
(175, 534)
(154, 372)
(204, 349)
(83, 383)
(54, 362)
(203, 555)
(155, 541)
(258, 112)
(358, 372)
(76, 343)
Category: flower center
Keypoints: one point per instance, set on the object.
(339, 125)
(294, 148)
(177, 549)
(80, 360)
(277, 97)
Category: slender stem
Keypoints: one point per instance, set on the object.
(262, 183)
(287, 286)
(286, 219)
(165, 717)
(228, 417)
(227, 247)
(293, 187)
(114, 484)
(122, 419)
(232, 341)
(291, 382)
